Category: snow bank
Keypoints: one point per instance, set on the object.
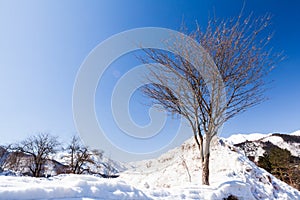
(66, 187)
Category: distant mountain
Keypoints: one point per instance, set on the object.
(297, 133)
(256, 144)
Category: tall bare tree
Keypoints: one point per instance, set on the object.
(38, 147)
(241, 54)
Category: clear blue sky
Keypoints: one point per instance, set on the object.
(43, 43)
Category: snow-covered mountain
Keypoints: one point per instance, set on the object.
(297, 133)
(174, 175)
(256, 144)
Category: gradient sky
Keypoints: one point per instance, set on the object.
(43, 43)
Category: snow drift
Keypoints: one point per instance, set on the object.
(66, 187)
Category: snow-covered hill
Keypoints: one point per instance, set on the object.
(232, 173)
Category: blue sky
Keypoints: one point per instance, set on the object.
(43, 43)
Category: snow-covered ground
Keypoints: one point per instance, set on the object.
(66, 187)
(174, 175)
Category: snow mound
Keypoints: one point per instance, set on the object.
(66, 187)
(177, 175)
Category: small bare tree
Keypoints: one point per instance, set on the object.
(38, 148)
(98, 157)
(239, 50)
(109, 169)
(79, 156)
(3, 156)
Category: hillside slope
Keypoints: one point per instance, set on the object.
(232, 173)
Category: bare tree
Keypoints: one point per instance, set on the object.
(109, 170)
(16, 161)
(38, 148)
(9, 159)
(79, 156)
(186, 167)
(241, 54)
(98, 157)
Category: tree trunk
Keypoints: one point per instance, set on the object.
(205, 170)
